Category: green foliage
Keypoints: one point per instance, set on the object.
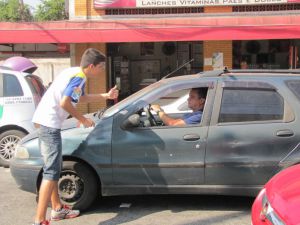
(13, 11)
(51, 10)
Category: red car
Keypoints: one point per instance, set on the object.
(279, 202)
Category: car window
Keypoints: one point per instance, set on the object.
(11, 86)
(35, 85)
(173, 116)
(155, 91)
(175, 102)
(294, 86)
(239, 105)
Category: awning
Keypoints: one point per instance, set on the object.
(154, 29)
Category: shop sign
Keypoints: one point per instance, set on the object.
(218, 61)
(178, 3)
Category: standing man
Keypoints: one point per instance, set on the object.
(58, 102)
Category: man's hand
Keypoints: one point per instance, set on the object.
(156, 108)
(113, 93)
(86, 122)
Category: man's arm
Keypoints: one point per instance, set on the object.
(112, 94)
(167, 120)
(66, 104)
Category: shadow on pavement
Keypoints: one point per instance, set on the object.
(142, 206)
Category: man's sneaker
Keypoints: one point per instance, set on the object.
(64, 213)
(45, 222)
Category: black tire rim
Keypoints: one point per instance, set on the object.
(7, 146)
(70, 187)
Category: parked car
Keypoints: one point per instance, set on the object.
(278, 202)
(19, 95)
(249, 131)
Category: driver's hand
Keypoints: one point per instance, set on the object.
(156, 108)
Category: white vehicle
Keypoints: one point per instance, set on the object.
(20, 93)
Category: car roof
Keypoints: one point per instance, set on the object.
(4, 69)
(252, 72)
(239, 73)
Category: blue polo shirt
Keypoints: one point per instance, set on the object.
(192, 118)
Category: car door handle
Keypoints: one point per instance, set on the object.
(191, 137)
(284, 133)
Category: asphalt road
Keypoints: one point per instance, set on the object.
(18, 208)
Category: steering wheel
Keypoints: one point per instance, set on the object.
(150, 116)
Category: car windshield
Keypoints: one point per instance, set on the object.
(130, 100)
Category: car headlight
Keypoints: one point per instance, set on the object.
(268, 213)
(21, 152)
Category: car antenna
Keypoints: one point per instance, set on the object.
(178, 68)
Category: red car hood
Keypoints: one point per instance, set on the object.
(283, 193)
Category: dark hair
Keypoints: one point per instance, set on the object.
(202, 92)
(91, 56)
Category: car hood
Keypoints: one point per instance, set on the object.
(69, 124)
(283, 193)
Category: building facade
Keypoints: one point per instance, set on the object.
(145, 40)
(133, 64)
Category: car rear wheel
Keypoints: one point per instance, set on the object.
(77, 186)
(8, 142)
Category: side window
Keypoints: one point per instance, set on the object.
(35, 85)
(294, 86)
(241, 105)
(11, 86)
(175, 102)
(182, 108)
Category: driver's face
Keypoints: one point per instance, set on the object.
(194, 102)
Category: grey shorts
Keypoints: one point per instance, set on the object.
(51, 149)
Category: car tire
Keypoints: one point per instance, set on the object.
(78, 185)
(8, 142)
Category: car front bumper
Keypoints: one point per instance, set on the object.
(26, 173)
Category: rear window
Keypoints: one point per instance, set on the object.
(294, 86)
(11, 86)
(241, 105)
(35, 85)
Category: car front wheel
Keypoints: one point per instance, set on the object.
(8, 142)
(77, 186)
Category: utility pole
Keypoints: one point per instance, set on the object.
(21, 8)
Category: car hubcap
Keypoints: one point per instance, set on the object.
(70, 187)
(7, 146)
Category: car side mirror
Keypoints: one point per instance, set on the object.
(132, 121)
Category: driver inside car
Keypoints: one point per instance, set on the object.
(196, 102)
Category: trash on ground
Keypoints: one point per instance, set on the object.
(125, 205)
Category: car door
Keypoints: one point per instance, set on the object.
(16, 100)
(252, 129)
(164, 155)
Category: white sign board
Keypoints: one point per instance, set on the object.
(197, 3)
(207, 61)
(217, 61)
